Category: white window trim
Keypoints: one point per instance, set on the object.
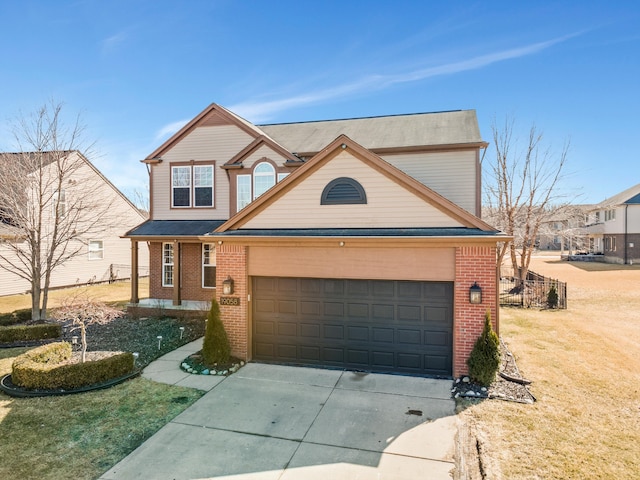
(99, 250)
(192, 185)
(271, 173)
(203, 264)
(238, 202)
(164, 265)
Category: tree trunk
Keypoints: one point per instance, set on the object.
(83, 341)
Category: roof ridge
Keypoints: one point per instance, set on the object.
(362, 118)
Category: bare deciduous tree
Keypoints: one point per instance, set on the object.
(50, 206)
(522, 191)
(83, 311)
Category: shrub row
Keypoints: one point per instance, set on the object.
(19, 316)
(20, 333)
(40, 368)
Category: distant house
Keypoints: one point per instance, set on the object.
(342, 243)
(104, 256)
(614, 227)
(565, 229)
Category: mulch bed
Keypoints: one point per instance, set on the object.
(509, 384)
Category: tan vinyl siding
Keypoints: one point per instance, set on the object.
(388, 204)
(121, 216)
(382, 263)
(451, 174)
(217, 143)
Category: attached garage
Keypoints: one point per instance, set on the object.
(392, 326)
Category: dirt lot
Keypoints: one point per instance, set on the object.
(585, 364)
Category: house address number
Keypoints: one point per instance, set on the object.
(230, 301)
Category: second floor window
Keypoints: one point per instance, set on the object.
(60, 203)
(192, 186)
(264, 177)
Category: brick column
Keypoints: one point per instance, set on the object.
(134, 272)
(473, 264)
(231, 261)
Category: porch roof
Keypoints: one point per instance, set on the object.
(174, 228)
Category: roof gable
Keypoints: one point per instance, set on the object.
(629, 196)
(260, 141)
(394, 198)
(213, 115)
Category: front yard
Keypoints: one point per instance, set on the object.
(585, 365)
(81, 436)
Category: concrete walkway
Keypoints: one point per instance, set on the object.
(279, 422)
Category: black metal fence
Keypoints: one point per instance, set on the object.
(533, 292)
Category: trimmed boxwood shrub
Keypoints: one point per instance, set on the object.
(46, 368)
(17, 316)
(20, 333)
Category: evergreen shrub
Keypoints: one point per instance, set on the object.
(484, 360)
(215, 347)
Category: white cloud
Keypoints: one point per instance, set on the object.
(170, 129)
(111, 43)
(262, 111)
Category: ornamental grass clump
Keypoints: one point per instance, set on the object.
(484, 360)
(215, 348)
(552, 297)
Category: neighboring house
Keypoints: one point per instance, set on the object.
(614, 227)
(565, 229)
(104, 256)
(344, 243)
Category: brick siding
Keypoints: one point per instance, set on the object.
(232, 262)
(473, 264)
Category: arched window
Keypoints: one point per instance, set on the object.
(264, 177)
(343, 191)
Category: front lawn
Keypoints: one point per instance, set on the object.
(585, 366)
(83, 435)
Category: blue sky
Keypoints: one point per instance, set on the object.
(138, 70)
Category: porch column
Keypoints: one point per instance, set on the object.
(177, 300)
(134, 272)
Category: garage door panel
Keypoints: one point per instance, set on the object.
(287, 351)
(358, 358)
(373, 325)
(333, 356)
(310, 354)
(439, 315)
(383, 335)
(357, 334)
(265, 328)
(287, 329)
(287, 307)
(409, 337)
(333, 309)
(381, 312)
(381, 359)
(310, 308)
(333, 332)
(358, 310)
(409, 313)
(309, 330)
(383, 288)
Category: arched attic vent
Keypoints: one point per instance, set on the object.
(343, 191)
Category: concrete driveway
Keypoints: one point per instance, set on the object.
(278, 422)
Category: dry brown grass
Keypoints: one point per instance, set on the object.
(118, 292)
(585, 364)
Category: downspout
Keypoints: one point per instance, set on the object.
(626, 243)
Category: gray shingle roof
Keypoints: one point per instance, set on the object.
(174, 228)
(630, 196)
(420, 129)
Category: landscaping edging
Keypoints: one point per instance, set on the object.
(30, 343)
(15, 391)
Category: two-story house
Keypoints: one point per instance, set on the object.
(614, 227)
(98, 254)
(344, 243)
